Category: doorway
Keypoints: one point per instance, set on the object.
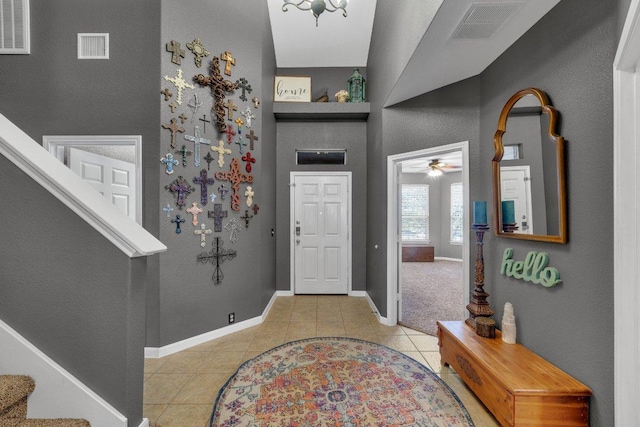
(394, 223)
(321, 232)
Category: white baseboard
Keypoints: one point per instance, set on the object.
(358, 294)
(284, 293)
(144, 423)
(444, 258)
(380, 318)
(58, 394)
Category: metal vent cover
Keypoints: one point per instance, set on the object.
(93, 45)
(483, 20)
(14, 27)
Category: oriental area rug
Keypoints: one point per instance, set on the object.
(337, 382)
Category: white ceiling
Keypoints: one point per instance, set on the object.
(438, 59)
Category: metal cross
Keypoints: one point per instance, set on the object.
(246, 218)
(247, 158)
(235, 177)
(217, 256)
(177, 221)
(219, 89)
(182, 118)
(255, 208)
(251, 137)
(203, 180)
(198, 51)
(234, 228)
(229, 61)
(170, 162)
(197, 140)
(209, 158)
(217, 214)
(240, 144)
(221, 152)
(245, 86)
(181, 189)
(204, 121)
(230, 107)
(184, 153)
(173, 106)
(203, 232)
(168, 209)
(248, 116)
(179, 83)
(194, 210)
(249, 195)
(174, 128)
(223, 191)
(194, 106)
(230, 134)
(176, 53)
(167, 94)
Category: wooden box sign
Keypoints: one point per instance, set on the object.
(292, 89)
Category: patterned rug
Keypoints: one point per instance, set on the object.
(337, 382)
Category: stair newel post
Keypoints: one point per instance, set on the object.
(478, 305)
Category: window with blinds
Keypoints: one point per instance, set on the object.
(415, 212)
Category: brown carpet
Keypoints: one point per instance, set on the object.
(431, 291)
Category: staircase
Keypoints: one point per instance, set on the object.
(14, 392)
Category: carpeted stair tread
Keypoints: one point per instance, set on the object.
(58, 422)
(14, 391)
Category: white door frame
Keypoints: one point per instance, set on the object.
(626, 221)
(292, 231)
(393, 200)
(527, 184)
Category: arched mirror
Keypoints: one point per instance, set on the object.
(529, 171)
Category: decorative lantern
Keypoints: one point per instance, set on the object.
(356, 87)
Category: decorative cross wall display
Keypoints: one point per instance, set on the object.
(179, 83)
(247, 158)
(194, 210)
(182, 118)
(170, 162)
(256, 208)
(221, 152)
(255, 101)
(245, 86)
(235, 177)
(174, 128)
(209, 158)
(198, 51)
(203, 232)
(240, 144)
(177, 221)
(168, 209)
(180, 189)
(194, 106)
(249, 195)
(248, 116)
(230, 107)
(184, 153)
(230, 134)
(204, 123)
(173, 106)
(217, 214)
(223, 191)
(234, 228)
(204, 181)
(246, 218)
(229, 61)
(219, 89)
(252, 138)
(217, 256)
(212, 196)
(176, 53)
(197, 140)
(239, 122)
(167, 94)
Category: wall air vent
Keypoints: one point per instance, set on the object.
(93, 45)
(483, 20)
(14, 27)
(321, 156)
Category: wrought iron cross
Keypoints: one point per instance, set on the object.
(217, 214)
(219, 88)
(204, 181)
(217, 256)
(209, 158)
(174, 128)
(251, 137)
(204, 123)
(197, 140)
(235, 177)
(181, 189)
(246, 218)
(245, 86)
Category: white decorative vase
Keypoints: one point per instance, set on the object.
(508, 324)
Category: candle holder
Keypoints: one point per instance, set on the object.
(478, 305)
(510, 228)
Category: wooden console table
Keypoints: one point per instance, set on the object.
(519, 387)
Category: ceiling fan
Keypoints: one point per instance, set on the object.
(435, 168)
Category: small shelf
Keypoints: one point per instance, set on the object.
(321, 111)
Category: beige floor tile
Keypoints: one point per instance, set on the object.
(152, 365)
(417, 356)
(296, 336)
(381, 329)
(251, 354)
(410, 331)
(221, 362)
(333, 315)
(481, 416)
(330, 329)
(185, 415)
(162, 388)
(207, 346)
(200, 390)
(397, 342)
(185, 362)
(278, 327)
(433, 359)
(153, 412)
(358, 327)
(283, 316)
(365, 336)
(302, 327)
(266, 342)
(147, 376)
(425, 342)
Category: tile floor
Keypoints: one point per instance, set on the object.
(180, 389)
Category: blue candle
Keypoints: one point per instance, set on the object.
(508, 212)
(479, 212)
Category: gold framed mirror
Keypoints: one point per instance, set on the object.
(529, 186)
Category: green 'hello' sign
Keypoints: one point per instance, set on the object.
(533, 269)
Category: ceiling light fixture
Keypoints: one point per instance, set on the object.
(317, 6)
(435, 169)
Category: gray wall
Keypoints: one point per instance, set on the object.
(189, 303)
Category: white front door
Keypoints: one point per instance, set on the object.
(516, 186)
(114, 179)
(320, 233)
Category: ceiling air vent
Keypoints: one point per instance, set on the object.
(14, 27)
(93, 45)
(483, 20)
